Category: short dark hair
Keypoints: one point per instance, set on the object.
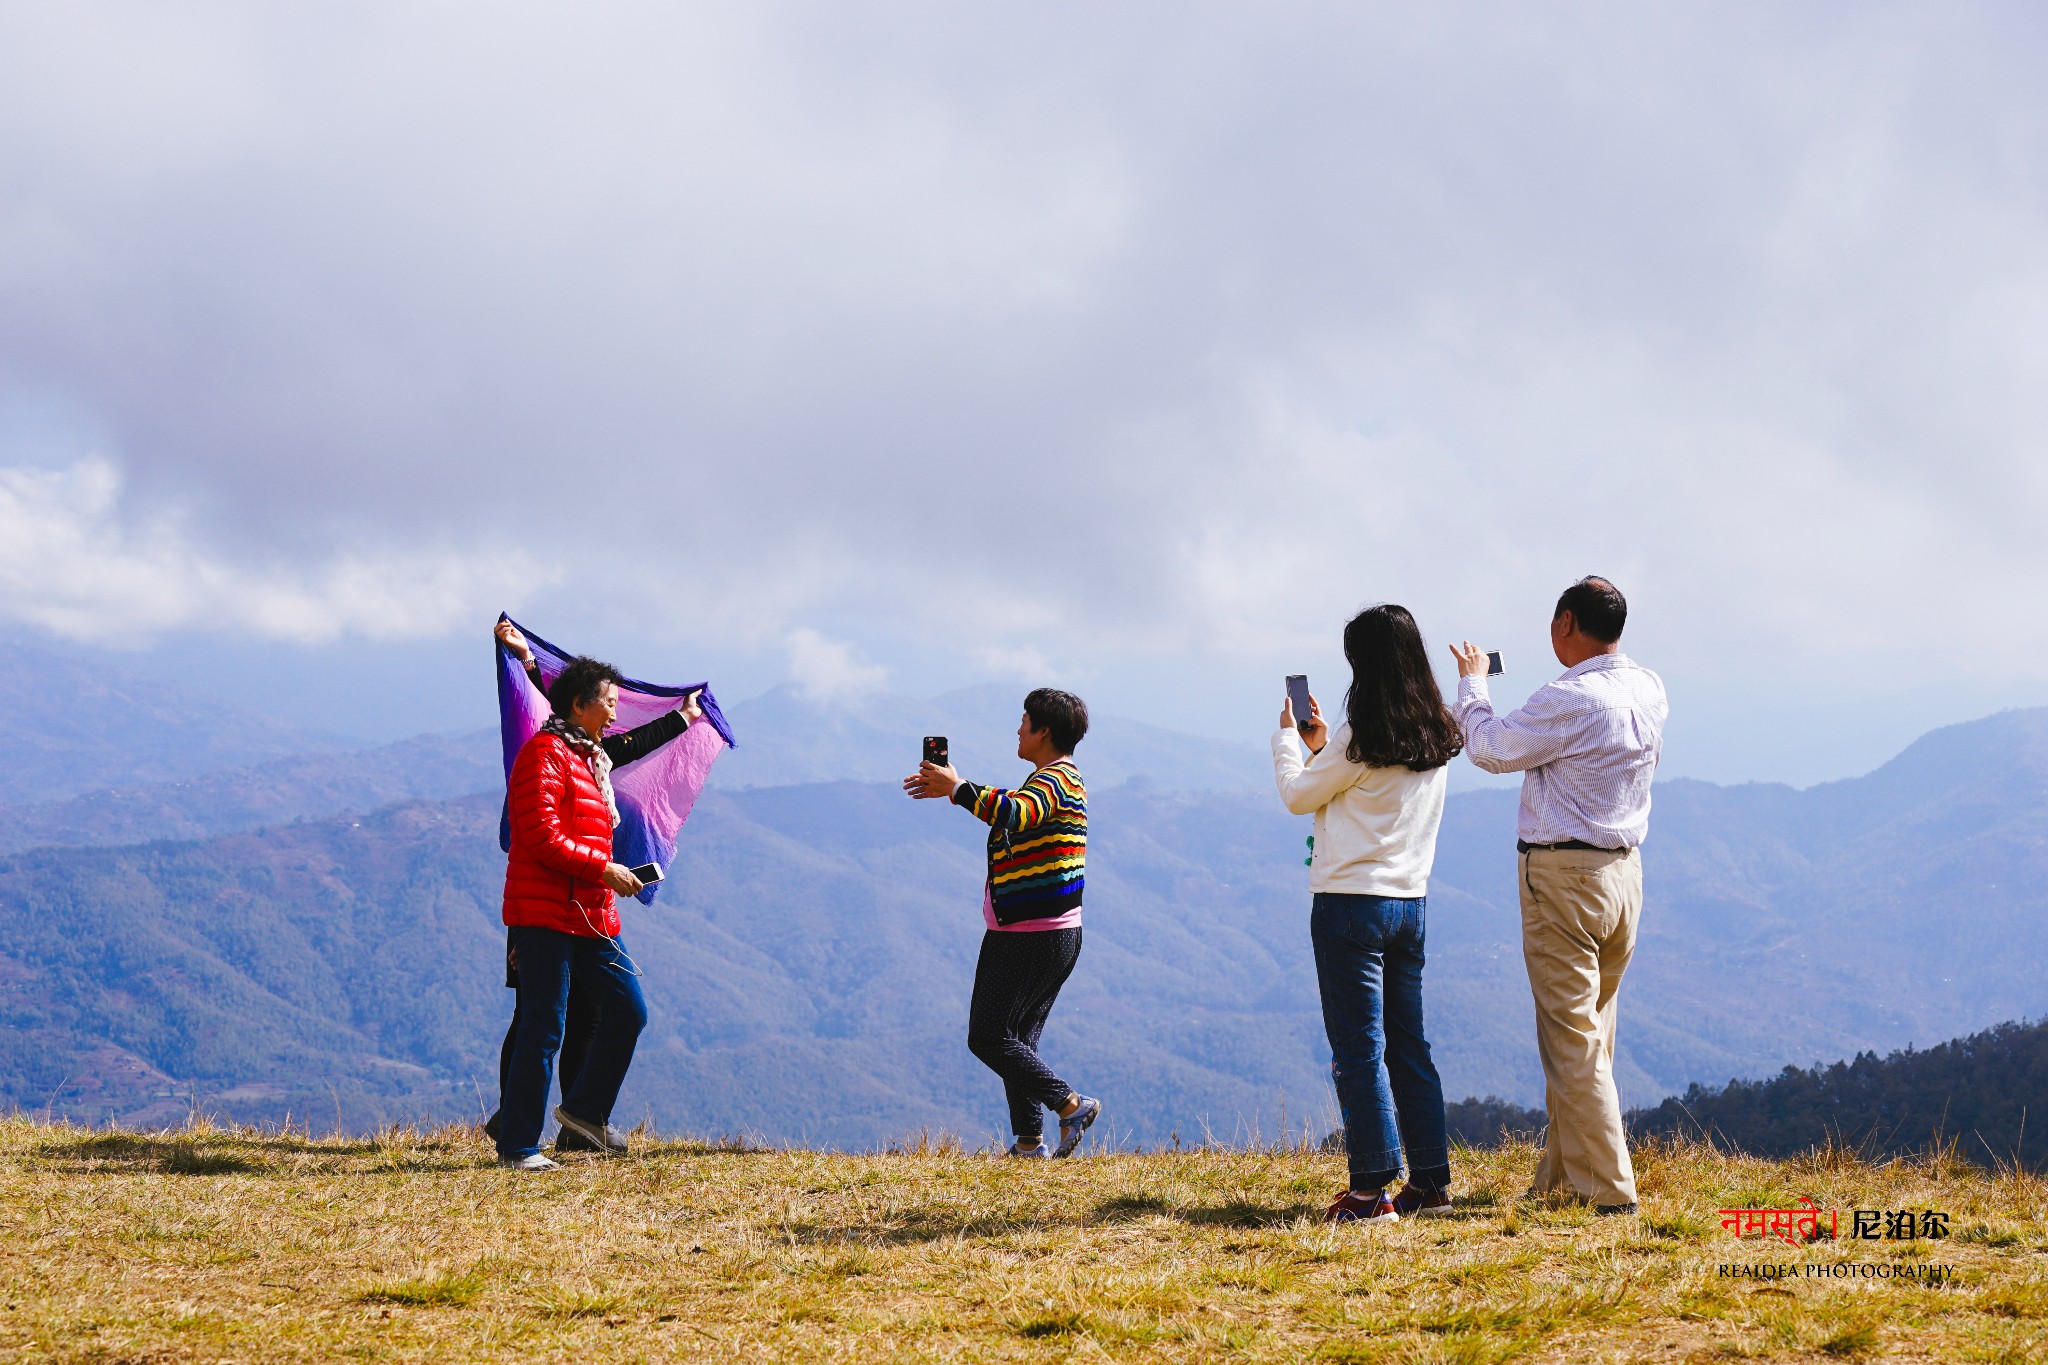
(1597, 607)
(577, 684)
(1062, 713)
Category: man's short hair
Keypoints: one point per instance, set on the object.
(1063, 714)
(578, 683)
(1597, 607)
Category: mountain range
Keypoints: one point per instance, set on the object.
(809, 961)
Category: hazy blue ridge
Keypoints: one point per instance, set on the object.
(305, 786)
(789, 737)
(80, 726)
(82, 791)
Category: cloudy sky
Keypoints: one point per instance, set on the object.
(912, 346)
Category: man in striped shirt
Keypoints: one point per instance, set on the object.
(1031, 905)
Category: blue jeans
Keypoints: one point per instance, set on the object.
(1369, 966)
(548, 960)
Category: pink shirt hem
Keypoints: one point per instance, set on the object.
(1024, 926)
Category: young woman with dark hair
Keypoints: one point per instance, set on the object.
(1376, 789)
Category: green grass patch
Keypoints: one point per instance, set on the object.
(180, 1159)
(1678, 1227)
(1053, 1325)
(1984, 1235)
(451, 1290)
(1853, 1342)
(560, 1304)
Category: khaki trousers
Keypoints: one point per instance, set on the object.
(1579, 913)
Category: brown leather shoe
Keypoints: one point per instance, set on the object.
(1413, 1202)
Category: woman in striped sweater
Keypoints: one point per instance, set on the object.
(1031, 904)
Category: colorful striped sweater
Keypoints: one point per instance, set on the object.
(1037, 841)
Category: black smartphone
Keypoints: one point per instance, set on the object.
(1493, 666)
(648, 873)
(935, 750)
(1297, 692)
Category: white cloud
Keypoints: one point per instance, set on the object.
(75, 562)
(830, 670)
(1149, 341)
(1026, 663)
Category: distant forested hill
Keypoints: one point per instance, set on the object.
(1989, 1092)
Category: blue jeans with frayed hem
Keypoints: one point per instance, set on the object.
(1369, 967)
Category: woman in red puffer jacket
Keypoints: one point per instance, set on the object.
(561, 843)
(563, 922)
(581, 1026)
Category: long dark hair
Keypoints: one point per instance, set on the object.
(1398, 717)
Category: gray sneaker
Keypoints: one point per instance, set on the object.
(534, 1162)
(1075, 1124)
(1037, 1151)
(603, 1136)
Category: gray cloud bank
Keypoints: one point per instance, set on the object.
(1133, 346)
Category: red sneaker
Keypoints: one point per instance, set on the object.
(1412, 1202)
(1362, 1206)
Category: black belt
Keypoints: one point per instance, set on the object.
(1524, 847)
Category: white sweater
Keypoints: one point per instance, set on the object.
(1375, 827)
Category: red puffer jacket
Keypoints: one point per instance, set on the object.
(561, 841)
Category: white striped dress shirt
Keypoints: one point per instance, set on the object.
(1587, 746)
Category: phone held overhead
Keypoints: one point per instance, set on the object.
(935, 750)
(1493, 664)
(1297, 695)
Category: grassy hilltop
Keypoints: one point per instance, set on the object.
(207, 1244)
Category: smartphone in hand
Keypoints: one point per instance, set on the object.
(1297, 693)
(935, 751)
(648, 873)
(1493, 664)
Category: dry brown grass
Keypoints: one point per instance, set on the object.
(210, 1244)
